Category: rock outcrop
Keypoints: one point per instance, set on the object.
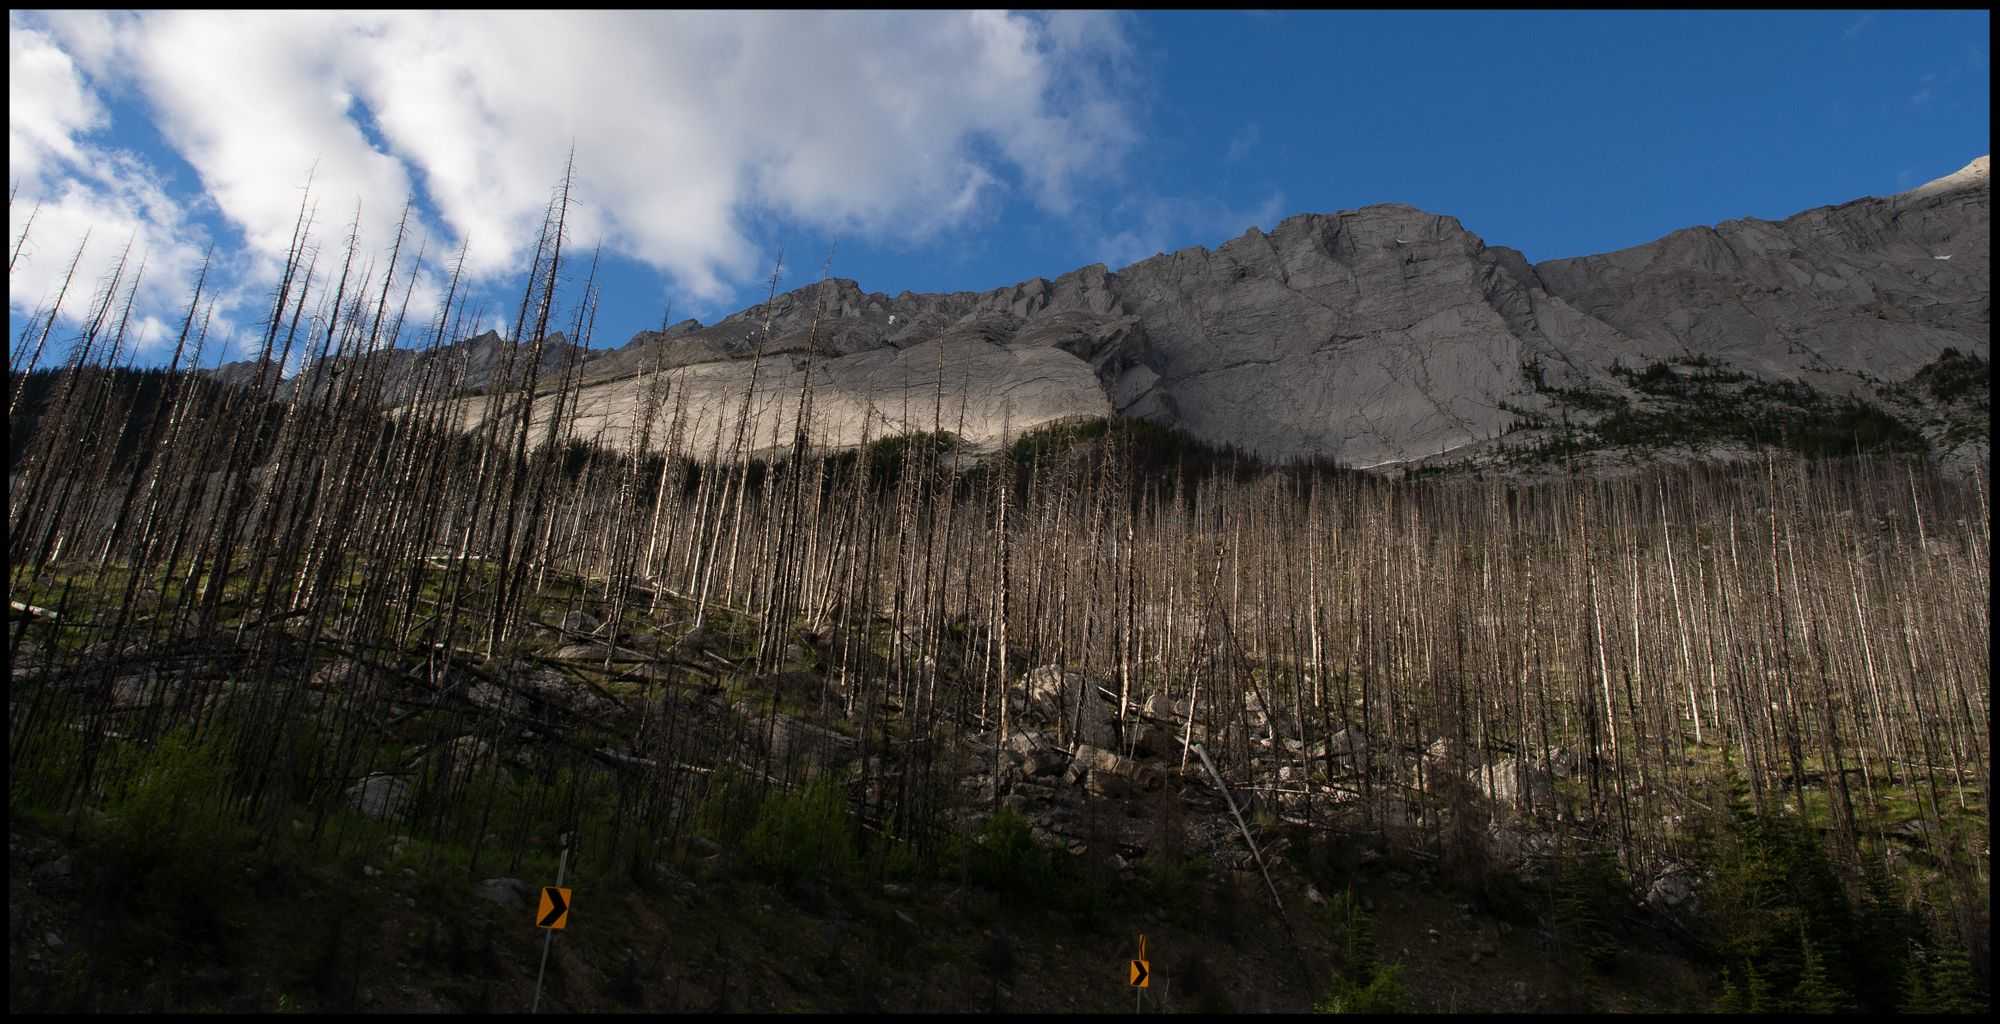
(469, 366)
(1373, 336)
(1876, 285)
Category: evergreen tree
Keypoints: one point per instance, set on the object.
(1364, 984)
(1772, 883)
(1383, 993)
(1815, 993)
(1357, 940)
(1953, 989)
(1884, 932)
(1581, 895)
(1731, 1000)
(1916, 986)
(1757, 997)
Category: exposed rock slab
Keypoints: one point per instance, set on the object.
(1372, 336)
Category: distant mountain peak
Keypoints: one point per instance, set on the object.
(1973, 175)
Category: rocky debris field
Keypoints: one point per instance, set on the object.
(1236, 903)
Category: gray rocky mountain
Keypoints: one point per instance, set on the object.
(473, 362)
(1374, 336)
(1877, 285)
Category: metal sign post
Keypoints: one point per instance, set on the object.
(1141, 976)
(549, 935)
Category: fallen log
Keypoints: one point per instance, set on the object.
(39, 613)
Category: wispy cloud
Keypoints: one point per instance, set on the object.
(1165, 223)
(1245, 141)
(1858, 26)
(1924, 91)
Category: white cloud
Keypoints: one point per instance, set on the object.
(1856, 27)
(1245, 141)
(74, 190)
(892, 125)
(47, 105)
(1169, 223)
(111, 199)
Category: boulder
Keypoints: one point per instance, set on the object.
(1084, 757)
(1151, 740)
(1052, 696)
(1347, 743)
(463, 756)
(52, 874)
(509, 893)
(1024, 744)
(791, 739)
(380, 796)
(346, 675)
(1101, 783)
(1150, 777)
(1674, 892)
(528, 754)
(1043, 763)
(1045, 683)
(1505, 847)
(1512, 783)
(486, 695)
(1442, 755)
(1560, 762)
(133, 691)
(558, 689)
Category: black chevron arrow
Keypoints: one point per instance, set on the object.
(557, 906)
(1138, 974)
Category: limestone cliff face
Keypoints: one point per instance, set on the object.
(1879, 285)
(1382, 334)
(1373, 336)
(475, 362)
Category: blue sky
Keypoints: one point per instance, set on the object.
(932, 151)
